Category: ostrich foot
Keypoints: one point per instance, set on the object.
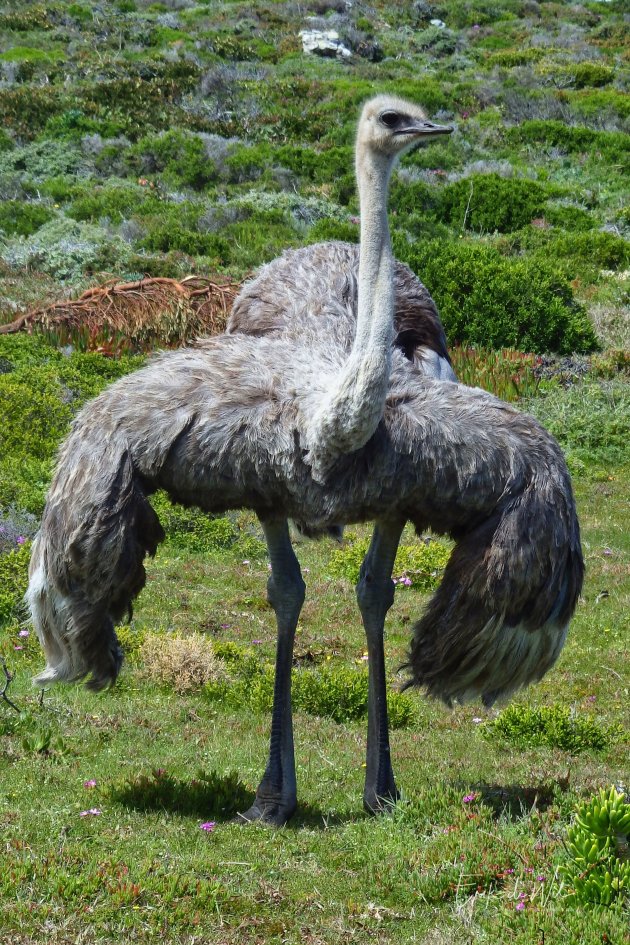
(269, 810)
(378, 800)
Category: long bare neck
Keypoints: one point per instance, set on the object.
(351, 410)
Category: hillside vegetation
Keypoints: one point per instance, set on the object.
(185, 138)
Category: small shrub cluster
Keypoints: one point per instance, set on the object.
(489, 300)
(13, 580)
(420, 566)
(554, 726)
(339, 693)
(597, 871)
(185, 663)
(485, 203)
(208, 794)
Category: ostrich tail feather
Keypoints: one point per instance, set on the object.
(499, 619)
(87, 561)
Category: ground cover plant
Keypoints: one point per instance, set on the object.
(194, 139)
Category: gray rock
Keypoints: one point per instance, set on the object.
(324, 43)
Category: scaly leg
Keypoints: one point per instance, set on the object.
(276, 796)
(375, 594)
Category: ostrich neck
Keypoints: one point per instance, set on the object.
(352, 408)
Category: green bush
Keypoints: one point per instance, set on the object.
(489, 300)
(13, 580)
(179, 157)
(339, 693)
(193, 529)
(488, 203)
(34, 417)
(610, 146)
(420, 566)
(117, 201)
(554, 726)
(22, 219)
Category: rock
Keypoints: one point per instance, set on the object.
(324, 43)
(439, 23)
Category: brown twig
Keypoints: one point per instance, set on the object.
(8, 679)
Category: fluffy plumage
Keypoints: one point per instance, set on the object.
(213, 433)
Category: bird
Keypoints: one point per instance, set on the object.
(330, 424)
(308, 282)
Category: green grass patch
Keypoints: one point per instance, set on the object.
(554, 726)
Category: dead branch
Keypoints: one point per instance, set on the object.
(8, 679)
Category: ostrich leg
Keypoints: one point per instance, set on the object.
(375, 594)
(276, 796)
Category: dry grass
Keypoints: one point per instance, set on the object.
(134, 315)
(186, 663)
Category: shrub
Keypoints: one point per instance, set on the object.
(488, 300)
(193, 529)
(34, 418)
(611, 146)
(67, 250)
(178, 156)
(489, 203)
(554, 726)
(339, 693)
(186, 663)
(596, 872)
(13, 580)
(420, 566)
(22, 219)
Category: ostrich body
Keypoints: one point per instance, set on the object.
(323, 426)
(305, 284)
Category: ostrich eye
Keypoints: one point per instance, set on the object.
(390, 119)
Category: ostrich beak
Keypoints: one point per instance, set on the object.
(424, 128)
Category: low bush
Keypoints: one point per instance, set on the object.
(485, 203)
(22, 219)
(507, 374)
(179, 157)
(13, 580)
(339, 693)
(554, 726)
(609, 146)
(420, 566)
(193, 529)
(489, 300)
(185, 663)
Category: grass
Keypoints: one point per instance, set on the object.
(143, 868)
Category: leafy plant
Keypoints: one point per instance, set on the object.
(506, 373)
(489, 300)
(553, 725)
(420, 566)
(13, 579)
(596, 872)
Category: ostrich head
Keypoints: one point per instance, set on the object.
(389, 126)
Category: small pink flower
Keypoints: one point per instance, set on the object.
(520, 906)
(510, 871)
(208, 826)
(89, 784)
(18, 647)
(92, 812)
(24, 633)
(541, 879)
(21, 539)
(256, 642)
(469, 798)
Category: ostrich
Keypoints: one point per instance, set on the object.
(323, 427)
(313, 281)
